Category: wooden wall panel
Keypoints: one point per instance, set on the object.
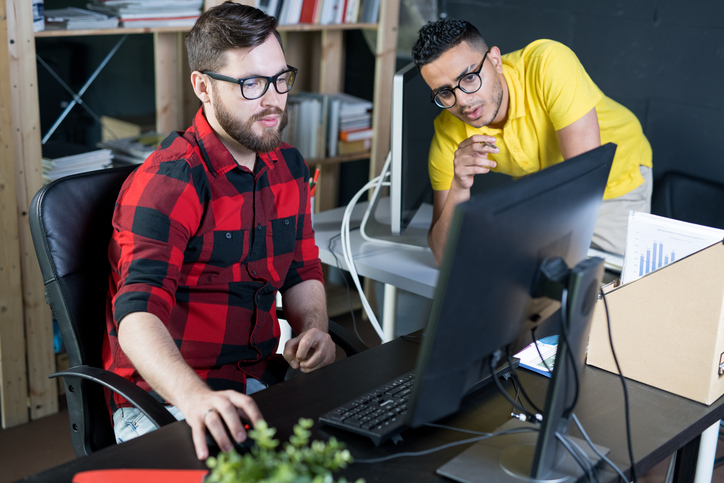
(43, 394)
(13, 378)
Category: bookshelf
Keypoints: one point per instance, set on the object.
(26, 338)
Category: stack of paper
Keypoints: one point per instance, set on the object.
(64, 159)
(530, 357)
(150, 13)
(652, 242)
(133, 149)
(77, 19)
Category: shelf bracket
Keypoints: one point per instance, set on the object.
(77, 97)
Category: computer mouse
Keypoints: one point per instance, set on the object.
(242, 447)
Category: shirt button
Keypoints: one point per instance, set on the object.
(253, 272)
(286, 222)
(228, 235)
(258, 227)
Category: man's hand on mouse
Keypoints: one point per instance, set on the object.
(215, 410)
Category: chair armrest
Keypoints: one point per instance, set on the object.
(347, 341)
(147, 404)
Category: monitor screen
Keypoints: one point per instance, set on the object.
(485, 298)
(412, 131)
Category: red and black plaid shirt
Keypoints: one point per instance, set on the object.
(204, 245)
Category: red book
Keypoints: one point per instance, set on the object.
(309, 10)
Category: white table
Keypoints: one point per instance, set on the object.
(408, 268)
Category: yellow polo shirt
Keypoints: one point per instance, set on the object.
(549, 90)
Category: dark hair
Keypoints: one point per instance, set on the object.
(436, 38)
(225, 27)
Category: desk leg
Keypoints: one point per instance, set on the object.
(695, 461)
(707, 454)
(388, 316)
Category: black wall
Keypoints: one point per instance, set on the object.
(663, 59)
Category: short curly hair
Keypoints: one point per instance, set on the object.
(225, 27)
(436, 38)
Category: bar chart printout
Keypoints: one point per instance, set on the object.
(652, 242)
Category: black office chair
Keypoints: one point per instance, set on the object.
(70, 223)
(689, 198)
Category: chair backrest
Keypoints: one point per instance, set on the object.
(689, 198)
(70, 223)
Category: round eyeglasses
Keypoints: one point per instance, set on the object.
(256, 86)
(469, 83)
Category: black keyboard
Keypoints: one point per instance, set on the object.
(380, 413)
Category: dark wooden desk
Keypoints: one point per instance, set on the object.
(662, 423)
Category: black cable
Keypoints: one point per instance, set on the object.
(445, 446)
(514, 376)
(625, 391)
(505, 394)
(596, 450)
(535, 341)
(571, 358)
(575, 453)
(346, 283)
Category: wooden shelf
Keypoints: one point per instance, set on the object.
(340, 159)
(26, 339)
(152, 30)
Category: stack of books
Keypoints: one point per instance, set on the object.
(133, 149)
(328, 125)
(150, 13)
(321, 12)
(77, 19)
(64, 159)
(350, 124)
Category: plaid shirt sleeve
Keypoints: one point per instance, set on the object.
(151, 236)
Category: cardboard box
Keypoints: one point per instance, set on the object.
(668, 327)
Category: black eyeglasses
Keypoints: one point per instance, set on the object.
(256, 86)
(469, 83)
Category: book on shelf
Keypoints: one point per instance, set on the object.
(72, 18)
(162, 13)
(124, 12)
(320, 12)
(64, 159)
(306, 126)
(346, 110)
(133, 149)
(150, 4)
(370, 11)
(309, 11)
(356, 134)
(353, 147)
(159, 22)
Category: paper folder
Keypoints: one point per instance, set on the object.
(668, 327)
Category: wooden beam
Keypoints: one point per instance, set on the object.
(168, 51)
(13, 375)
(43, 392)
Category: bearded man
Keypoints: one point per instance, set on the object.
(205, 233)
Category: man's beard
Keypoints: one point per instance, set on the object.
(243, 132)
(495, 100)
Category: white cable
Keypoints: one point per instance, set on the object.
(349, 260)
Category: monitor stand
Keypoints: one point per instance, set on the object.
(518, 456)
(509, 458)
(380, 230)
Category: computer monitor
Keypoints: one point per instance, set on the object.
(413, 118)
(489, 294)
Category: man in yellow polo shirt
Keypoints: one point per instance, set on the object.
(519, 113)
